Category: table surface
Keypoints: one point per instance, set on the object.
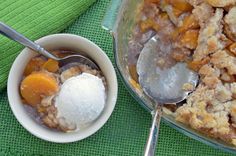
(125, 132)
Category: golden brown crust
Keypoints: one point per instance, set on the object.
(203, 12)
(211, 107)
(206, 113)
(220, 3)
(221, 59)
(209, 37)
(233, 112)
(230, 24)
(210, 75)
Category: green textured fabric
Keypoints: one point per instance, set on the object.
(34, 18)
(125, 132)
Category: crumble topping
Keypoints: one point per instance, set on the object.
(211, 108)
(230, 24)
(208, 110)
(221, 59)
(203, 36)
(209, 37)
(188, 87)
(203, 12)
(221, 3)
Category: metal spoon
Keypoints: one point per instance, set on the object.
(16, 36)
(163, 85)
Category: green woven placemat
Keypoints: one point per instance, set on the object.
(34, 18)
(125, 132)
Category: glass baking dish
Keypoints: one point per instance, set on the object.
(120, 21)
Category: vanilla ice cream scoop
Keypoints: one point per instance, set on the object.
(81, 99)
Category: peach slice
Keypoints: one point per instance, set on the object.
(51, 65)
(190, 39)
(38, 85)
(148, 24)
(177, 12)
(189, 22)
(181, 5)
(35, 64)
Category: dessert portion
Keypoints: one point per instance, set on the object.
(65, 98)
(201, 33)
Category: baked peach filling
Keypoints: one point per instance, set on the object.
(201, 33)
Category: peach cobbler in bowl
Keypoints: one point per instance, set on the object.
(201, 33)
(62, 102)
(62, 98)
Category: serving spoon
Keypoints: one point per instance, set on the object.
(16, 36)
(164, 85)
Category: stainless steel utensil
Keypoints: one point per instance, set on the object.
(16, 36)
(162, 84)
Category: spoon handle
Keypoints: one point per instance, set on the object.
(14, 35)
(154, 131)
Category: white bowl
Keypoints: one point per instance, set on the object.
(76, 44)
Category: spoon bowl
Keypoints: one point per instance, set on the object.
(162, 79)
(63, 62)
